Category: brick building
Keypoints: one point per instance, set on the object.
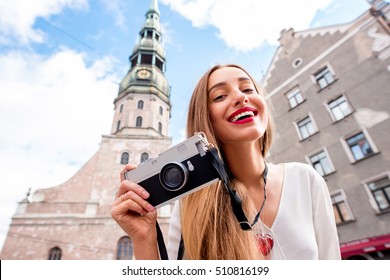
(330, 88)
(73, 220)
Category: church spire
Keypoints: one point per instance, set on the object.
(145, 83)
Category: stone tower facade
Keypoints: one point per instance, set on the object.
(72, 220)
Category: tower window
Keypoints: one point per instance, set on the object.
(134, 62)
(140, 104)
(125, 158)
(138, 122)
(159, 64)
(160, 127)
(121, 109)
(125, 249)
(144, 157)
(118, 126)
(55, 253)
(161, 110)
(146, 59)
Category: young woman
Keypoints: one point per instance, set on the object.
(288, 205)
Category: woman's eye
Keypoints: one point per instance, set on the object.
(219, 98)
(248, 90)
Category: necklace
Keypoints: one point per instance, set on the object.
(265, 242)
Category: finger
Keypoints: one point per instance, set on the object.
(127, 186)
(125, 169)
(131, 201)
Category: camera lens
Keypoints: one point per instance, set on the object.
(173, 176)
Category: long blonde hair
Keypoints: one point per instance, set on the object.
(209, 227)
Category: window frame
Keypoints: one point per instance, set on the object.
(371, 197)
(299, 127)
(330, 109)
(291, 95)
(138, 121)
(316, 153)
(342, 200)
(317, 77)
(348, 150)
(123, 159)
(140, 105)
(55, 253)
(124, 244)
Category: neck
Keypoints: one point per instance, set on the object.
(246, 162)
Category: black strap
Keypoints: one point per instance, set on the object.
(161, 244)
(235, 198)
(180, 253)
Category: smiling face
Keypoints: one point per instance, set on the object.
(238, 113)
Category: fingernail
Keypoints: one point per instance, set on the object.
(145, 194)
(150, 208)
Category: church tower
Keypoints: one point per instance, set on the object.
(142, 108)
(73, 220)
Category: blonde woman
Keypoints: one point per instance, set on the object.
(288, 205)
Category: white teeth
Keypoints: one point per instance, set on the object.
(243, 114)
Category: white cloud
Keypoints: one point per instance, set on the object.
(246, 24)
(53, 111)
(18, 16)
(118, 8)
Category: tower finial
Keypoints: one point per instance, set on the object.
(154, 6)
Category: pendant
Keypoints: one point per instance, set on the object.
(265, 243)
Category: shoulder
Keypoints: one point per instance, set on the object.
(303, 173)
(300, 168)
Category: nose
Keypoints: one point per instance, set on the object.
(240, 98)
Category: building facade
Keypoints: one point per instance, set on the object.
(73, 220)
(330, 89)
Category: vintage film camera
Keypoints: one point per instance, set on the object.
(177, 172)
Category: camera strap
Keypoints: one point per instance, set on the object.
(235, 198)
(161, 244)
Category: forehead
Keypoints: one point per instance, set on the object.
(227, 75)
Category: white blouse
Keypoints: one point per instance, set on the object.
(304, 227)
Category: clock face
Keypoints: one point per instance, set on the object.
(143, 74)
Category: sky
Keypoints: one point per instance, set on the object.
(61, 62)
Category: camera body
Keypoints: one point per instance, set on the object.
(177, 172)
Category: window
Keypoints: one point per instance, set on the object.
(125, 158)
(138, 122)
(339, 108)
(161, 110)
(321, 163)
(306, 128)
(121, 109)
(359, 146)
(140, 104)
(118, 126)
(144, 157)
(160, 127)
(294, 97)
(125, 249)
(380, 190)
(55, 253)
(324, 78)
(341, 209)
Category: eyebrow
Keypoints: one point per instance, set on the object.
(224, 83)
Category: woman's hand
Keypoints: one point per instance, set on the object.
(132, 212)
